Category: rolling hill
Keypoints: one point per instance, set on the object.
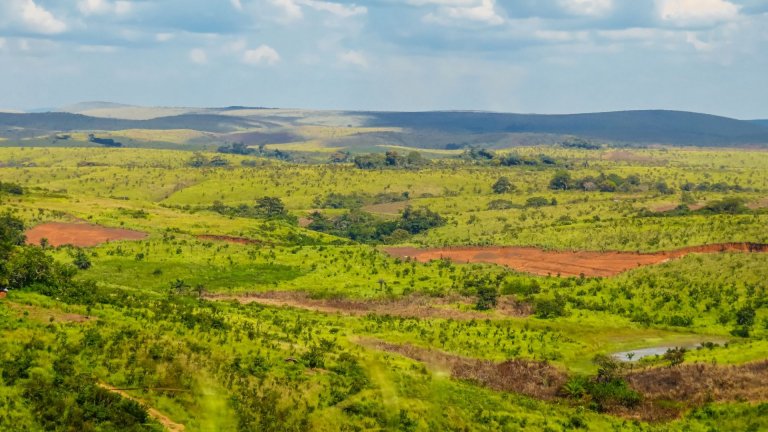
(436, 129)
(640, 127)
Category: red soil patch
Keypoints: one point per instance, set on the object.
(410, 307)
(229, 239)
(79, 234)
(564, 263)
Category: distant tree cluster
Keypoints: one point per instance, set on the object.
(106, 142)
(580, 143)
(240, 148)
(712, 187)
(356, 200)
(271, 208)
(725, 206)
(562, 180)
(11, 188)
(390, 159)
(199, 160)
(364, 227)
(482, 155)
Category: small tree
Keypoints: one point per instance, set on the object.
(81, 260)
(675, 356)
(503, 185)
(487, 297)
(561, 181)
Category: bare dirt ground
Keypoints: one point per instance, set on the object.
(392, 208)
(166, 421)
(661, 208)
(48, 315)
(228, 239)
(758, 204)
(79, 234)
(564, 263)
(410, 307)
(701, 383)
(532, 378)
(666, 392)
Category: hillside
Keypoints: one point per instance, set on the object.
(648, 127)
(371, 131)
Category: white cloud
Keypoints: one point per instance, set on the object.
(290, 9)
(587, 7)
(90, 7)
(354, 58)
(699, 45)
(100, 7)
(237, 4)
(38, 19)
(462, 11)
(2, 43)
(696, 12)
(123, 7)
(164, 37)
(337, 9)
(198, 56)
(264, 54)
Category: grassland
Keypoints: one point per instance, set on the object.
(163, 318)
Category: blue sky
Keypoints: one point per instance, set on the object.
(545, 56)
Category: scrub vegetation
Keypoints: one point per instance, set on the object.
(235, 290)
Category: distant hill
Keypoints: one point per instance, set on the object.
(83, 107)
(63, 122)
(436, 129)
(637, 127)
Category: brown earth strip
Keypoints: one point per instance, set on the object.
(666, 392)
(48, 315)
(701, 383)
(166, 421)
(79, 234)
(409, 307)
(564, 263)
(661, 208)
(531, 378)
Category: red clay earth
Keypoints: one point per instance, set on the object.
(79, 234)
(564, 263)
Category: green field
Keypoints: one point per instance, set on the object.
(159, 317)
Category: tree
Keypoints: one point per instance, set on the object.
(417, 220)
(675, 356)
(81, 260)
(561, 181)
(11, 234)
(503, 185)
(270, 207)
(537, 202)
(487, 297)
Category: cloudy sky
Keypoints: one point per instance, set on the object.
(545, 56)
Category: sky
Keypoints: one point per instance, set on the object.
(526, 56)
